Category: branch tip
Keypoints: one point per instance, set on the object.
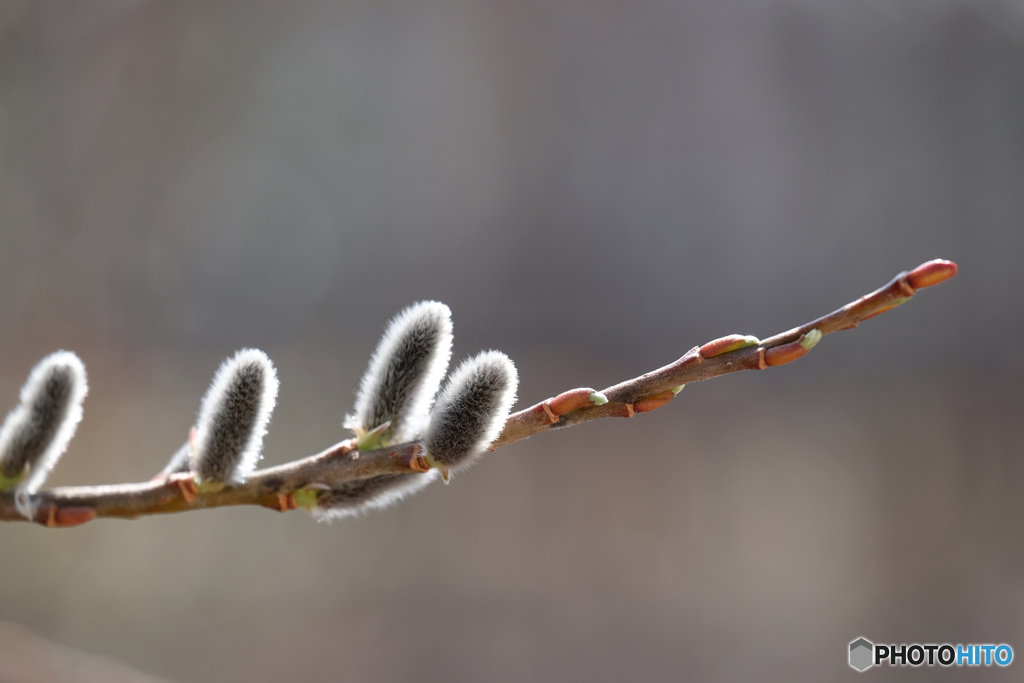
(931, 273)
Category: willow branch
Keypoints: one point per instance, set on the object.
(274, 487)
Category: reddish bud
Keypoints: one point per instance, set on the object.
(787, 353)
(727, 344)
(931, 273)
(650, 403)
(64, 517)
(74, 516)
(571, 400)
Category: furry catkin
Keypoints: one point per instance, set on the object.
(233, 418)
(373, 493)
(404, 374)
(38, 430)
(471, 410)
(393, 405)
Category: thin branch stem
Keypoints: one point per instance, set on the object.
(273, 487)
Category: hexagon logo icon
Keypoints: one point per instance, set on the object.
(861, 654)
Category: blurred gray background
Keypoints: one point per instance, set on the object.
(593, 187)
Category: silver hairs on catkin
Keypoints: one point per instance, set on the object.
(353, 498)
(233, 419)
(471, 410)
(406, 370)
(393, 406)
(36, 433)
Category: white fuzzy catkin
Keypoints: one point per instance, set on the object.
(353, 498)
(397, 390)
(405, 373)
(233, 418)
(471, 410)
(36, 433)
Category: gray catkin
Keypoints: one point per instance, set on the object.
(233, 418)
(353, 498)
(471, 410)
(398, 387)
(38, 430)
(404, 373)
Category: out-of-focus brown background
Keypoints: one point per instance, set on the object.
(593, 187)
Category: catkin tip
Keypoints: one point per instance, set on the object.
(471, 410)
(36, 433)
(233, 419)
(405, 372)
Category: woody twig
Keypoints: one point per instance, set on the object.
(297, 484)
